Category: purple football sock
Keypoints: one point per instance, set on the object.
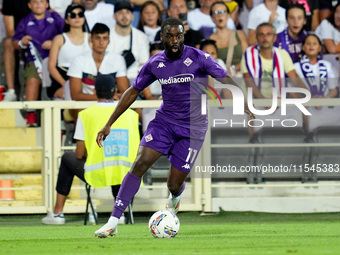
(128, 189)
(181, 191)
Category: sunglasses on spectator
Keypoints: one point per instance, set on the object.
(73, 15)
(219, 12)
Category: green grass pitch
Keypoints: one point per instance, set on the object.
(223, 233)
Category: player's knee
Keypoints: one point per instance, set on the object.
(140, 167)
(174, 187)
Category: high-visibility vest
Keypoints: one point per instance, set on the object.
(108, 165)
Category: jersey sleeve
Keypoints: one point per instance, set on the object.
(211, 67)
(59, 22)
(145, 77)
(20, 31)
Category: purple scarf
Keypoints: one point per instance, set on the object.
(317, 85)
(291, 45)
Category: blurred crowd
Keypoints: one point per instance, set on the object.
(63, 45)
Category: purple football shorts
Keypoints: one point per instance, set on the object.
(179, 144)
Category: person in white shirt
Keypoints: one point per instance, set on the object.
(329, 31)
(316, 73)
(65, 47)
(98, 12)
(200, 19)
(319, 77)
(150, 19)
(124, 37)
(270, 12)
(85, 68)
(60, 6)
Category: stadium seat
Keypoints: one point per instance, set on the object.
(233, 132)
(288, 159)
(325, 159)
(326, 116)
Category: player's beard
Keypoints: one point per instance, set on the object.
(173, 55)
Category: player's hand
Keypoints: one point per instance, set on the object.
(102, 134)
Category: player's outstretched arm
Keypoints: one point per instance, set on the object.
(125, 101)
(229, 80)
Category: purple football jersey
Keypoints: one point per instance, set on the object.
(40, 31)
(291, 45)
(183, 81)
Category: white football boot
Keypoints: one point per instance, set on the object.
(108, 229)
(173, 204)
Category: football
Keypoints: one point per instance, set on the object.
(164, 224)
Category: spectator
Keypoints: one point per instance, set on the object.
(326, 7)
(200, 19)
(245, 7)
(316, 73)
(269, 11)
(136, 5)
(209, 46)
(272, 73)
(60, 6)
(13, 12)
(34, 36)
(127, 40)
(311, 9)
(150, 19)
(329, 31)
(233, 9)
(227, 41)
(291, 38)
(318, 76)
(154, 90)
(97, 12)
(88, 162)
(156, 87)
(85, 68)
(191, 37)
(65, 47)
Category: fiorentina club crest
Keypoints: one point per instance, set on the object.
(148, 138)
(187, 62)
(50, 20)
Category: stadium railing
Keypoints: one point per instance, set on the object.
(200, 185)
